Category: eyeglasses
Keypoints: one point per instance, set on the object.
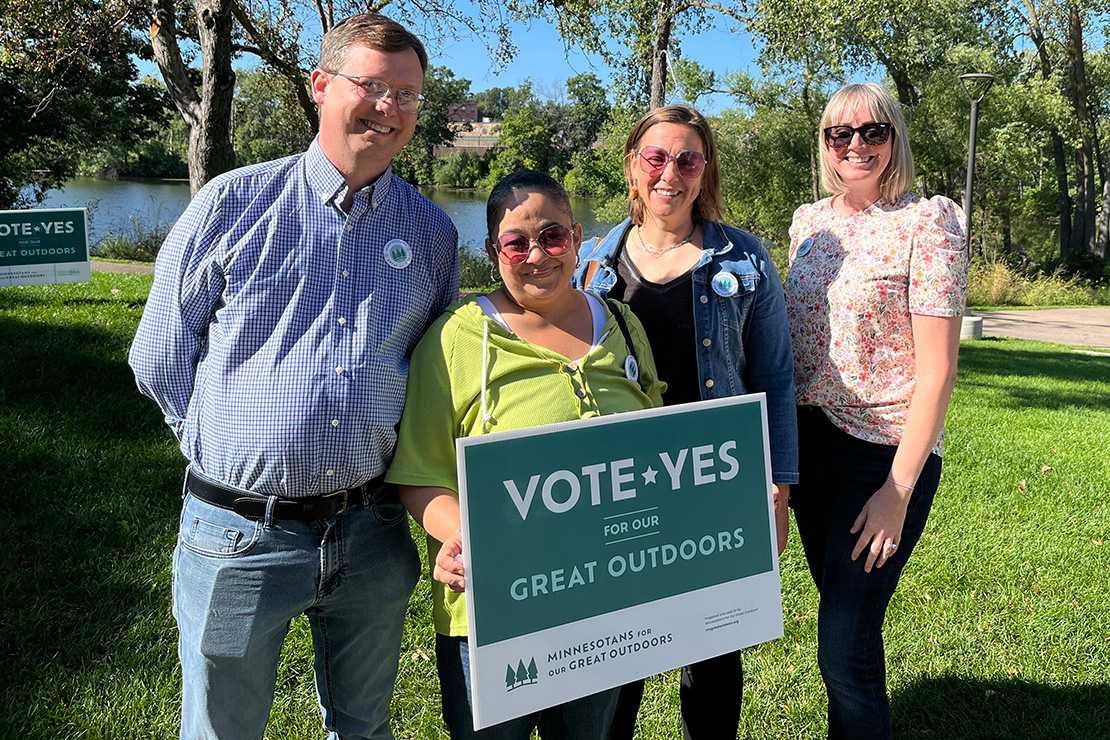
(653, 160)
(373, 90)
(872, 134)
(554, 241)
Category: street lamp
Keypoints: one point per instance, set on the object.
(975, 85)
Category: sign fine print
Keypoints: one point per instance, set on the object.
(43, 247)
(610, 549)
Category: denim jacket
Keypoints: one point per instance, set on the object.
(740, 319)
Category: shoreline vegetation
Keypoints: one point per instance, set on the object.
(993, 284)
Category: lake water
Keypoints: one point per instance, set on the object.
(125, 205)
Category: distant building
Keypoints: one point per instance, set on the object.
(471, 138)
(464, 112)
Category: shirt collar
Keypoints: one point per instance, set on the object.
(714, 241)
(326, 181)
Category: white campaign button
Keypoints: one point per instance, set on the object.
(398, 254)
(725, 284)
(631, 369)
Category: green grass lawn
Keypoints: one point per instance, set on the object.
(1001, 627)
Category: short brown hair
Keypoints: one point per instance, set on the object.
(897, 179)
(372, 30)
(708, 206)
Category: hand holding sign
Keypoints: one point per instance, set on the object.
(449, 568)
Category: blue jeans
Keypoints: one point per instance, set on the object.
(839, 473)
(237, 584)
(587, 718)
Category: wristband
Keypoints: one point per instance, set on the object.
(900, 485)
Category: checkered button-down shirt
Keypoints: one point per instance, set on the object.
(277, 336)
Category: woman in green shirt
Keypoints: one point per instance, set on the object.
(533, 352)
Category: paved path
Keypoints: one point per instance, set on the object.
(99, 266)
(1083, 327)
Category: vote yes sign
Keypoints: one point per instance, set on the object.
(610, 549)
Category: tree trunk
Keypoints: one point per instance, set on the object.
(1063, 195)
(208, 113)
(660, 45)
(210, 150)
(1083, 218)
(813, 120)
(1104, 222)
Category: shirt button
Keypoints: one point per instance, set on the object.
(572, 367)
(347, 227)
(709, 383)
(346, 274)
(335, 422)
(581, 393)
(707, 341)
(704, 299)
(342, 321)
(339, 369)
(331, 472)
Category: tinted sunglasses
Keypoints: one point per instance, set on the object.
(872, 134)
(513, 249)
(654, 160)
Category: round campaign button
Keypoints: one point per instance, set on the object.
(631, 369)
(397, 253)
(803, 248)
(725, 284)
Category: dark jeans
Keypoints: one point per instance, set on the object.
(839, 473)
(582, 719)
(709, 693)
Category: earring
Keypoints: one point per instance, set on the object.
(635, 193)
(577, 260)
(494, 275)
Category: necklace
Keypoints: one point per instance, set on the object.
(657, 252)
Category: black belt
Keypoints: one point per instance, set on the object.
(253, 506)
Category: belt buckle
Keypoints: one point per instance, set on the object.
(342, 494)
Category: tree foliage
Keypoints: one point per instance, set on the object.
(63, 94)
(416, 162)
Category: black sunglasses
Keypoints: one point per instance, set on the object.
(872, 134)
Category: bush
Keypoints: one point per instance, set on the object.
(474, 271)
(138, 243)
(996, 284)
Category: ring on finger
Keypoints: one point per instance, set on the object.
(891, 546)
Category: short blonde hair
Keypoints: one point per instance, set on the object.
(897, 179)
(708, 206)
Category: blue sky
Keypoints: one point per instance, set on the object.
(542, 57)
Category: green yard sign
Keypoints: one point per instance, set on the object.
(40, 247)
(614, 548)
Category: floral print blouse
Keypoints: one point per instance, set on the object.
(853, 283)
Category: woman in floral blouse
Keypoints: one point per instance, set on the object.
(875, 292)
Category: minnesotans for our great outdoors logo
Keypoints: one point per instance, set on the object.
(397, 254)
(521, 676)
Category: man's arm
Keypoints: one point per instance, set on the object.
(172, 334)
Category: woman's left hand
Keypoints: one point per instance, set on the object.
(880, 525)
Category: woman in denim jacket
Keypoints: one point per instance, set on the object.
(712, 305)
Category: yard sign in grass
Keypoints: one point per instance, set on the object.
(43, 247)
(614, 548)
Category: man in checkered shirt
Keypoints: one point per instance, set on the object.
(276, 340)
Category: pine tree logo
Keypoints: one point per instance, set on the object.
(520, 676)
